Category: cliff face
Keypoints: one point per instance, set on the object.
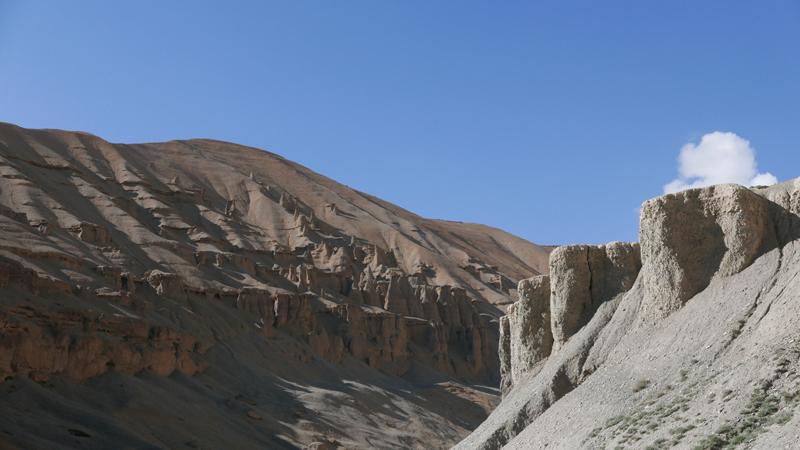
(200, 258)
(690, 342)
(553, 308)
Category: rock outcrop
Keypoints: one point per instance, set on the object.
(696, 349)
(525, 334)
(552, 308)
(583, 277)
(691, 236)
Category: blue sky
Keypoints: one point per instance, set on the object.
(551, 120)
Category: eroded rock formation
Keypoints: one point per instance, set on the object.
(583, 277)
(691, 338)
(691, 236)
(552, 308)
(526, 337)
(182, 258)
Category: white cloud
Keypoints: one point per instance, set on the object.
(763, 179)
(718, 158)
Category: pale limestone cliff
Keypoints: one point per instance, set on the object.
(691, 236)
(552, 308)
(525, 334)
(583, 277)
(685, 352)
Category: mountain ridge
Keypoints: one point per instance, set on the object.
(169, 267)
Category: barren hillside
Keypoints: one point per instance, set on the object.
(201, 294)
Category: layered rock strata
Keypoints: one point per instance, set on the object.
(161, 259)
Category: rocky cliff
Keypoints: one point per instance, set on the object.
(686, 340)
(227, 278)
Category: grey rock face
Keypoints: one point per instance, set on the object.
(786, 195)
(784, 204)
(504, 352)
(706, 324)
(614, 268)
(552, 309)
(583, 277)
(526, 337)
(570, 290)
(689, 237)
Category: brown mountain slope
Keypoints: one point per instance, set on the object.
(205, 294)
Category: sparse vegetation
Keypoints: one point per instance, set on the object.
(727, 394)
(613, 421)
(762, 410)
(641, 385)
(655, 412)
(659, 444)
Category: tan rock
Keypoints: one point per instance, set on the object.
(92, 233)
(167, 253)
(584, 276)
(690, 237)
(526, 336)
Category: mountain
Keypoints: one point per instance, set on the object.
(687, 339)
(202, 294)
